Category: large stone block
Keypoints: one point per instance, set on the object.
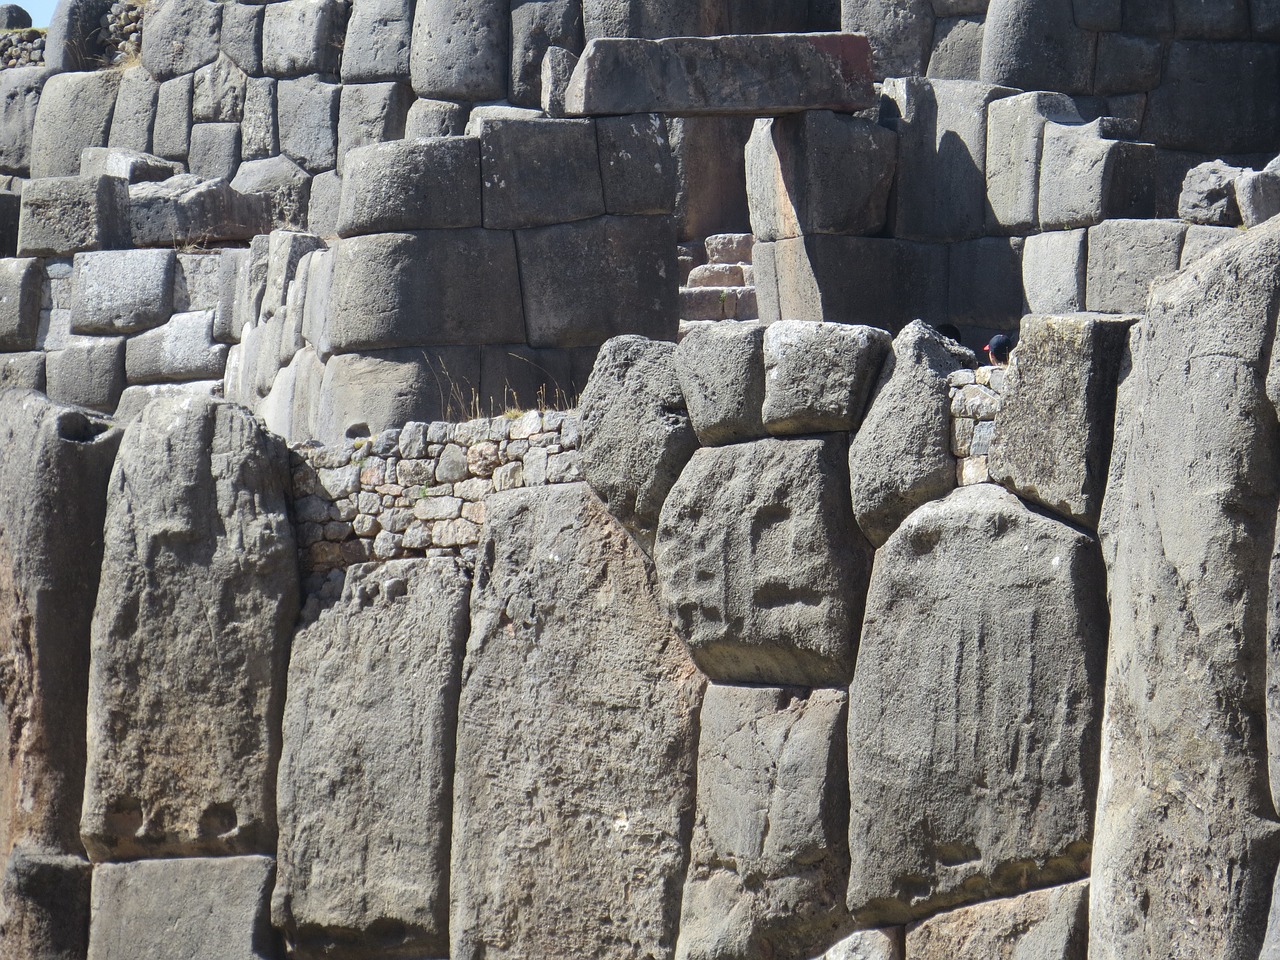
(1126, 64)
(1004, 694)
(199, 597)
(536, 27)
(275, 192)
(86, 372)
(587, 281)
(900, 31)
(957, 48)
(301, 37)
(769, 857)
(1053, 924)
(1054, 268)
(241, 39)
(21, 293)
(20, 90)
(134, 115)
(182, 349)
(129, 165)
(1015, 143)
(460, 49)
(181, 36)
(985, 283)
(761, 566)
(22, 370)
(377, 41)
(144, 909)
(435, 118)
(713, 76)
(711, 170)
(171, 133)
(651, 18)
(1036, 45)
(1086, 177)
(636, 433)
(539, 172)
(1187, 529)
(366, 774)
(411, 185)
(819, 172)
(940, 192)
(64, 215)
(818, 376)
(45, 901)
(371, 113)
(901, 456)
(543, 757)
(721, 372)
(259, 133)
(215, 150)
(217, 92)
(122, 291)
(187, 210)
(74, 112)
(71, 43)
(307, 119)
(1125, 256)
(429, 287)
(1070, 366)
(637, 165)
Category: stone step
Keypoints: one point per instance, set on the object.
(718, 275)
(718, 303)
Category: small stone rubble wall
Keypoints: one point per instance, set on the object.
(121, 35)
(21, 48)
(976, 399)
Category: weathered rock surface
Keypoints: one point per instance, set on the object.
(1187, 532)
(365, 780)
(818, 376)
(901, 456)
(950, 760)
(1051, 924)
(636, 433)
(769, 852)
(721, 372)
(762, 568)
(578, 721)
(190, 637)
(50, 555)
(44, 905)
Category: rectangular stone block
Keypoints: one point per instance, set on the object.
(1201, 239)
(637, 165)
(1052, 923)
(371, 113)
(217, 92)
(1054, 267)
(259, 137)
(378, 39)
(986, 283)
(1125, 256)
(957, 48)
(63, 215)
(182, 349)
(19, 100)
(1087, 177)
(585, 282)
(241, 40)
(45, 898)
(21, 294)
(24, 371)
(1015, 141)
(752, 75)
(135, 111)
(427, 287)
(1126, 64)
(460, 49)
(307, 119)
(539, 172)
(171, 133)
(187, 209)
(181, 36)
(324, 203)
(129, 165)
(536, 26)
(122, 291)
(711, 168)
(87, 372)
(74, 112)
(301, 37)
(215, 150)
(435, 118)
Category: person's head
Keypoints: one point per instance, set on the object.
(998, 348)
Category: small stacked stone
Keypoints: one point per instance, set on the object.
(420, 491)
(718, 279)
(976, 398)
(122, 32)
(21, 48)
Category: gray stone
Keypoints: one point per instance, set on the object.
(1125, 256)
(1087, 178)
(435, 118)
(364, 838)
(769, 856)
(1257, 196)
(1029, 668)
(986, 283)
(285, 251)
(1265, 16)
(1101, 15)
(546, 760)
(71, 41)
(307, 117)
(1200, 240)
(181, 36)
(411, 185)
(761, 566)
(637, 167)
(186, 210)
(324, 204)
(143, 909)
(363, 394)
(182, 760)
(1036, 45)
(539, 172)
(64, 215)
(1126, 64)
(819, 172)
(134, 115)
(536, 26)
(711, 168)
(1053, 924)
(86, 372)
(557, 70)
(241, 40)
(22, 370)
(135, 399)
(13, 17)
(182, 349)
(1186, 532)
(585, 282)
(901, 33)
(197, 281)
(957, 48)
(636, 433)
(377, 41)
(867, 945)
(215, 150)
(301, 37)
(45, 899)
(259, 137)
(1228, 20)
(651, 18)
(1054, 270)
(427, 287)
(122, 291)
(722, 376)
(20, 90)
(21, 292)
(1209, 195)
(750, 75)
(283, 187)
(128, 165)
(901, 456)
(942, 145)
(74, 112)
(231, 261)
(1069, 365)
(460, 49)
(371, 113)
(171, 134)
(217, 93)
(818, 376)
(1015, 145)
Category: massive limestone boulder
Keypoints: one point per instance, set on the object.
(577, 724)
(770, 855)
(636, 433)
(190, 637)
(901, 456)
(366, 773)
(974, 710)
(1186, 813)
(54, 465)
(762, 569)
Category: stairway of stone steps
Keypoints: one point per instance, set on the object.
(716, 279)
